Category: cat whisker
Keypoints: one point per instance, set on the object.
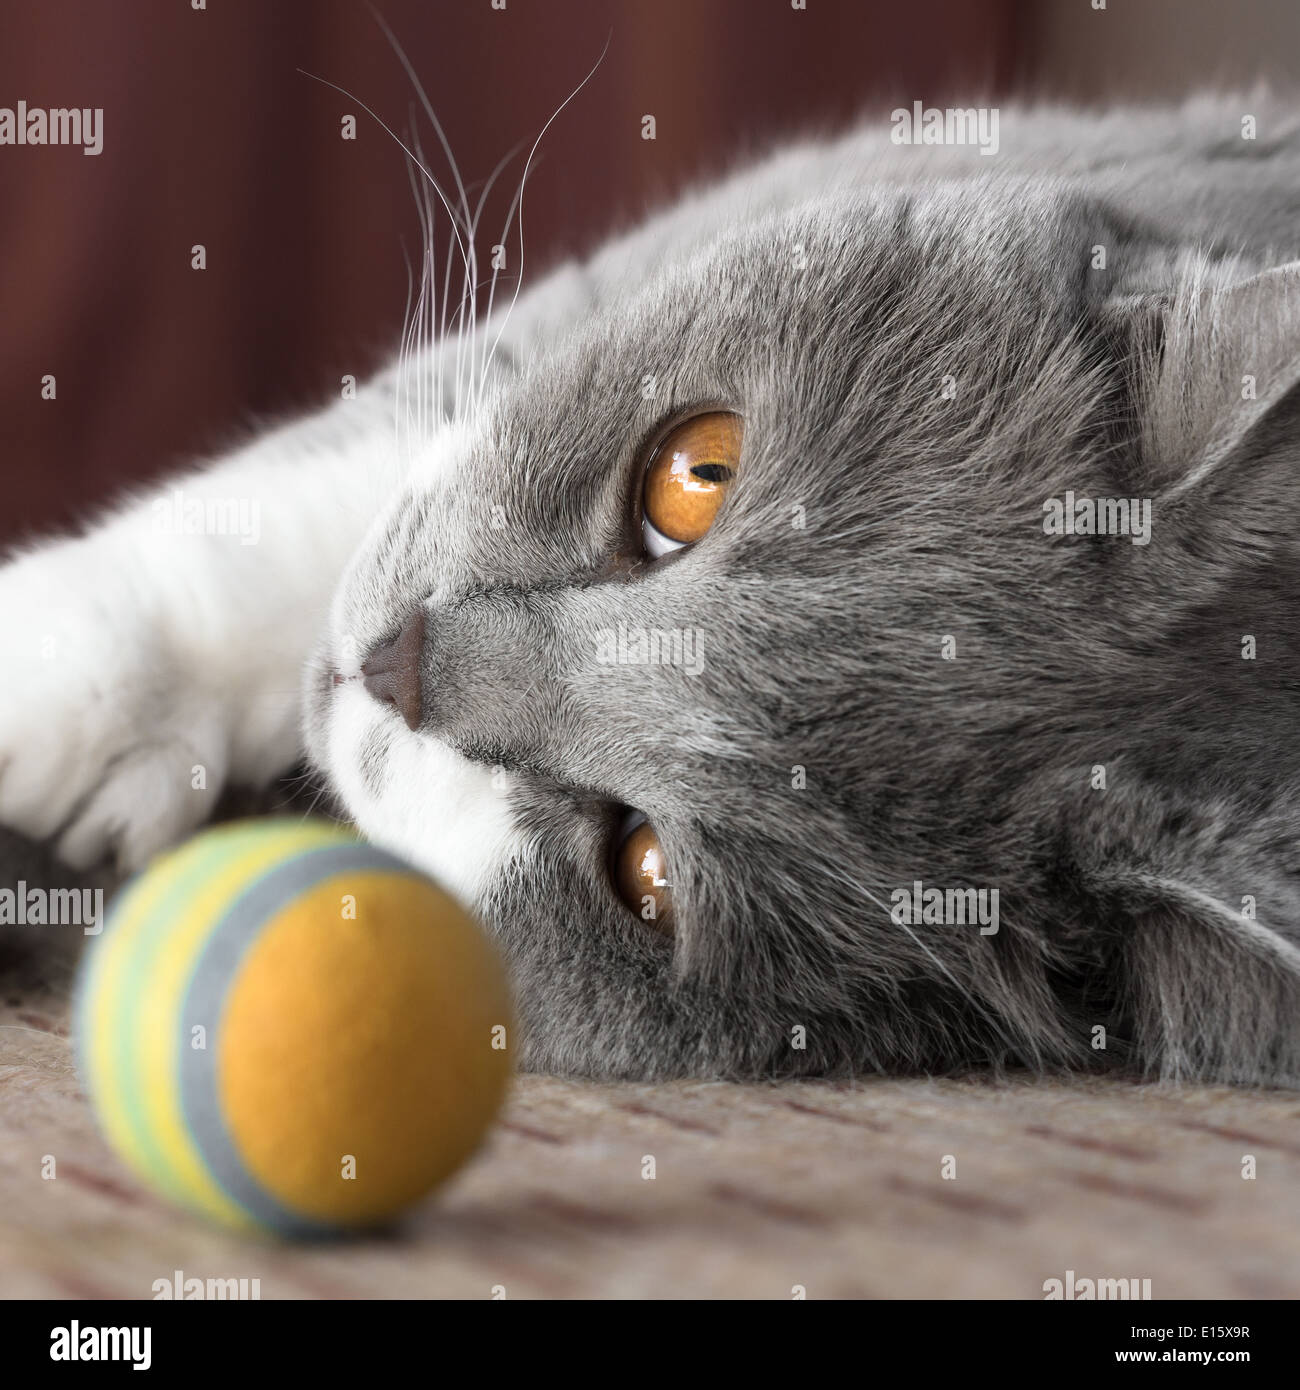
(422, 330)
(471, 261)
(523, 181)
(419, 349)
(400, 143)
(478, 213)
(496, 270)
(411, 155)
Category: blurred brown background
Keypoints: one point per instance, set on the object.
(213, 136)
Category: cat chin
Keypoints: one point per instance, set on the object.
(415, 796)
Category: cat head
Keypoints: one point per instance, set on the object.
(876, 672)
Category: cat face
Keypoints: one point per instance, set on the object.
(855, 680)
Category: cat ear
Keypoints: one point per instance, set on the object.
(1201, 977)
(1202, 991)
(1217, 367)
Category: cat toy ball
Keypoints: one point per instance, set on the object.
(284, 1028)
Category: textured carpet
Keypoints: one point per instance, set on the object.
(757, 1190)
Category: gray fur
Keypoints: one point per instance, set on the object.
(1121, 908)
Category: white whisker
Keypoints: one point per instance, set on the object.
(471, 261)
(401, 144)
(527, 165)
(426, 322)
(492, 291)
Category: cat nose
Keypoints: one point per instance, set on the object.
(392, 671)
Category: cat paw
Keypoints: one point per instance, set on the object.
(100, 753)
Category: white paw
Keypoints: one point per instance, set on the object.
(105, 744)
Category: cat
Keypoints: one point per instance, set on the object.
(764, 591)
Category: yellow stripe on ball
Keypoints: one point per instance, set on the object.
(193, 908)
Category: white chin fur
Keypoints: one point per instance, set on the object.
(448, 816)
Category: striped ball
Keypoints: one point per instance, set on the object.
(282, 1027)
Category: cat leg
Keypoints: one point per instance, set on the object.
(157, 658)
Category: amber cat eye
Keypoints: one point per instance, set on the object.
(641, 876)
(689, 474)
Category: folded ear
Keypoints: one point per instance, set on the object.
(1204, 993)
(1217, 367)
(1194, 913)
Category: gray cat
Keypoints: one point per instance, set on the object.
(847, 625)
